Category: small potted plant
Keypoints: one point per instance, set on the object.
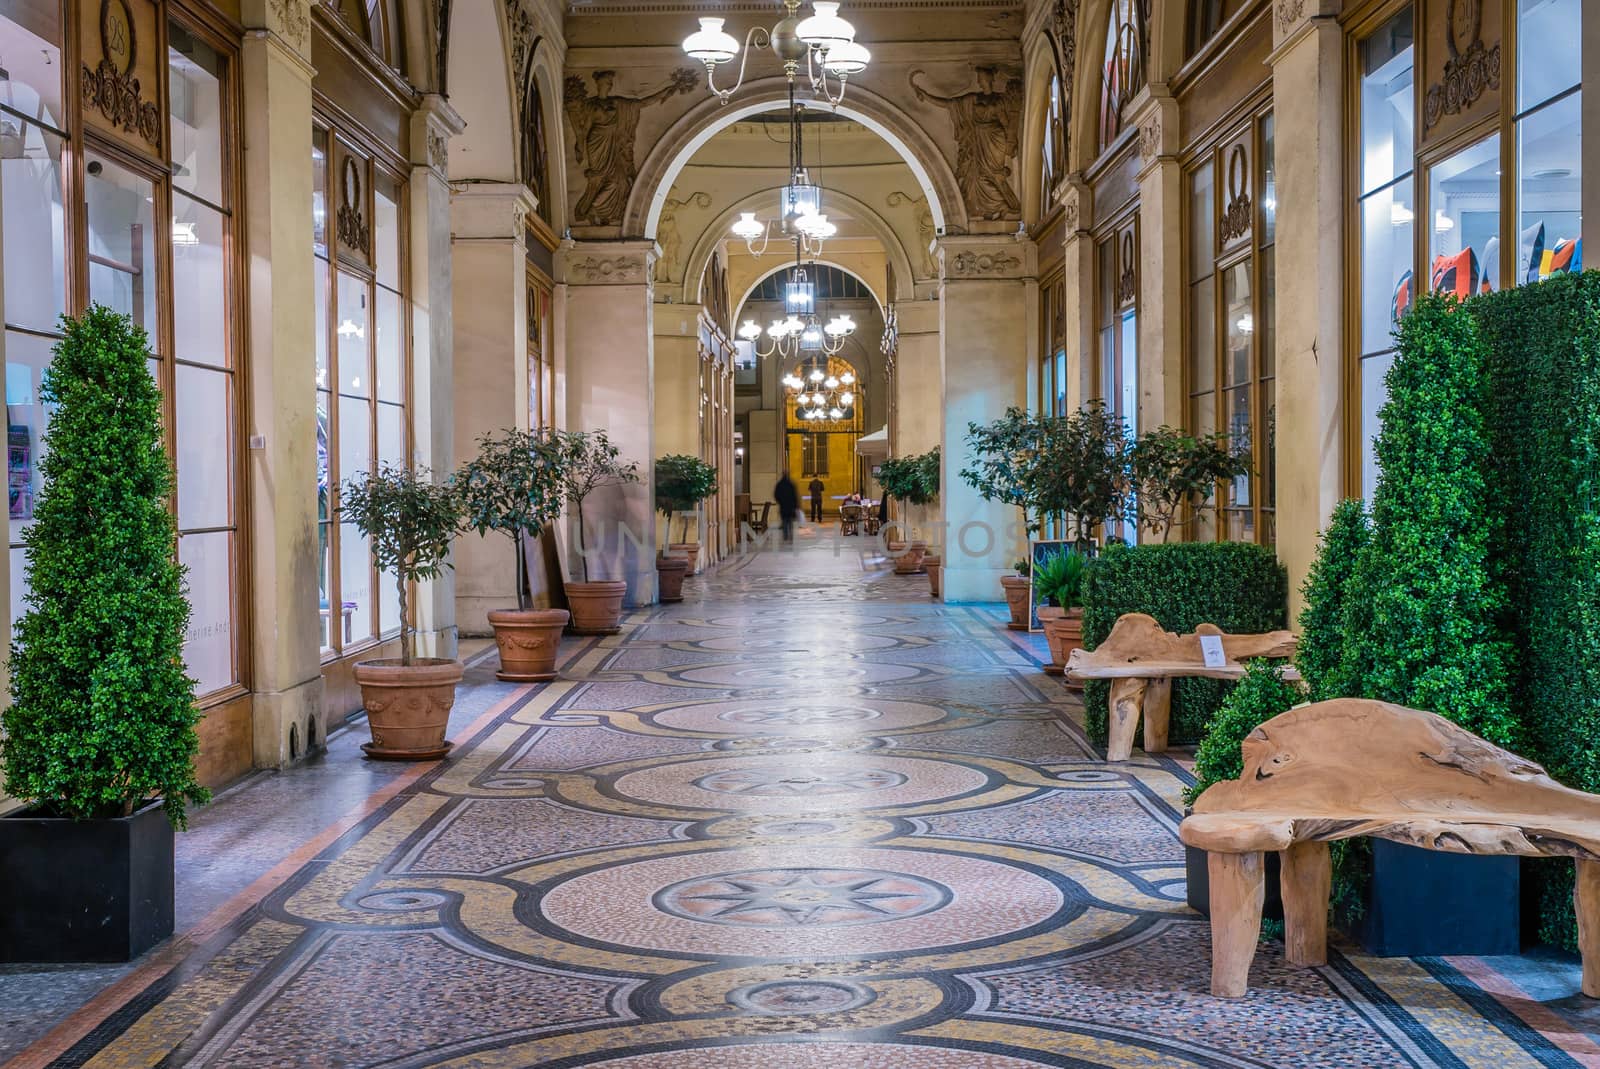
(682, 482)
(516, 485)
(411, 521)
(1173, 472)
(1058, 584)
(99, 740)
(1003, 458)
(592, 462)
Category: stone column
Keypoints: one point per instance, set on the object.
(432, 342)
(1161, 278)
(918, 385)
(610, 386)
(490, 368)
(286, 660)
(1078, 277)
(988, 341)
(1307, 100)
(677, 393)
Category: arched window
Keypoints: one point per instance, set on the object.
(1123, 74)
(535, 148)
(378, 23)
(1054, 163)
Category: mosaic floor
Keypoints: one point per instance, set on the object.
(805, 819)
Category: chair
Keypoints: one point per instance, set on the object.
(850, 519)
(758, 524)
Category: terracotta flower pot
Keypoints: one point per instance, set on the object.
(910, 562)
(597, 606)
(1016, 588)
(408, 707)
(669, 577)
(689, 551)
(529, 642)
(1065, 634)
(935, 566)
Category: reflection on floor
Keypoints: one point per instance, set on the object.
(807, 818)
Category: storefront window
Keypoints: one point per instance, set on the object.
(1053, 153)
(1122, 73)
(1118, 329)
(1387, 211)
(1232, 226)
(362, 347)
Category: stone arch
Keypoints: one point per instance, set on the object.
(1039, 64)
(717, 230)
(693, 129)
(1169, 37)
(545, 70)
(418, 34)
(824, 261)
(1083, 129)
(483, 92)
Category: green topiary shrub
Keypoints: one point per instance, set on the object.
(1237, 586)
(1423, 606)
(912, 479)
(1543, 346)
(1320, 654)
(1261, 695)
(682, 482)
(103, 714)
(515, 485)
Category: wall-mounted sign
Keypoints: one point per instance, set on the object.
(121, 73)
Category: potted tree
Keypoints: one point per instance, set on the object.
(1004, 458)
(594, 462)
(411, 521)
(925, 493)
(914, 480)
(1172, 472)
(99, 739)
(516, 485)
(1058, 583)
(682, 482)
(1080, 472)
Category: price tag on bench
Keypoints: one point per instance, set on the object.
(1211, 651)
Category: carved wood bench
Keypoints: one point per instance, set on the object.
(1142, 660)
(1340, 769)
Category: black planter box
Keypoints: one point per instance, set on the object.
(1199, 881)
(90, 890)
(1427, 903)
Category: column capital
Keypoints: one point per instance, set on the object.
(987, 257)
(490, 210)
(1156, 117)
(286, 23)
(606, 263)
(1076, 197)
(1293, 18)
(433, 124)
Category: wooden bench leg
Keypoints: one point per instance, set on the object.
(1127, 702)
(1238, 891)
(1587, 901)
(1307, 882)
(1157, 715)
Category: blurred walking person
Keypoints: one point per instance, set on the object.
(787, 496)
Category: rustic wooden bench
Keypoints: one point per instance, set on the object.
(1349, 767)
(1141, 661)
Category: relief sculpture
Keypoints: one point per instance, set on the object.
(669, 237)
(985, 121)
(603, 132)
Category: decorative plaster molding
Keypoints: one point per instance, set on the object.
(1289, 12)
(972, 264)
(1150, 138)
(294, 21)
(607, 270)
(439, 151)
(1471, 69)
(1236, 217)
(1069, 196)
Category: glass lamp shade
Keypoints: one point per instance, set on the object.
(816, 375)
(749, 330)
(748, 226)
(836, 328)
(776, 330)
(801, 197)
(798, 293)
(824, 28)
(815, 227)
(811, 338)
(711, 43)
(847, 399)
(848, 377)
(831, 383)
(846, 57)
(835, 413)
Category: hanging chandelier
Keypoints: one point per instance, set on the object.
(819, 395)
(800, 330)
(800, 216)
(825, 43)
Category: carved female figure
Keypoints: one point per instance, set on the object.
(985, 121)
(603, 131)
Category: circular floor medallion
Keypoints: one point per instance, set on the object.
(802, 782)
(842, 716)
(802, 897)
(801, 996)
(789, 716)
(401, 901)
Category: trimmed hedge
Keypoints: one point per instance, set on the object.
(1320, 655)
(1261, 695)
(1423, 607)
(1237, 586)
(1543, 370)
